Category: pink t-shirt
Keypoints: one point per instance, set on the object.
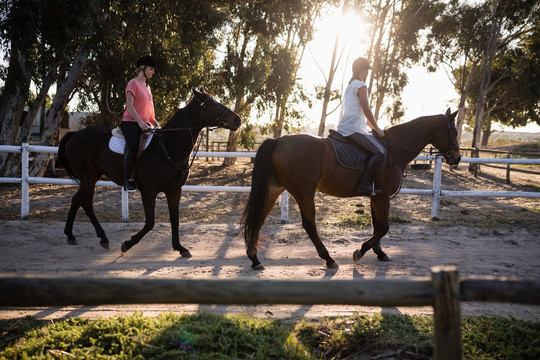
(142, 102)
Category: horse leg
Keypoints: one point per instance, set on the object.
(88, 206)
(75, 205)
(380, 211)
(306, 204)
(251, 244)
(173, 200)
(149, 204)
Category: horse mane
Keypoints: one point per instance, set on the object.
(414, 122)
(175, 117)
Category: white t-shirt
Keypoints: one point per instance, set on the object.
(352, 118)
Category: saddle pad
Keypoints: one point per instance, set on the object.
(350, 155)
(117, 144)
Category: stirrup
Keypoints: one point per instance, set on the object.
(130, 186)
(368, 190)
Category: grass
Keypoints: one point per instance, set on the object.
(210, 336)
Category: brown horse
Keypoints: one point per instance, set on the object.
(162, 167)
(303, 164)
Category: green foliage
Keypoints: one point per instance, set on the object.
(209, 336)
(500, 338)
(358, 220)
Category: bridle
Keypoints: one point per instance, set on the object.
(219, 119)
(220, 124)
(448, 153)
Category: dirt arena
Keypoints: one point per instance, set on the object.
(481, 236)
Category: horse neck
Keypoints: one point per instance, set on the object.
(412, 137)
(182, 141)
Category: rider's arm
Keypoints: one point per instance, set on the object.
(362, 94)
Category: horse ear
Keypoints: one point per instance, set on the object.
(194, 91)
(454, 114)
(201, 89)
(448, 112)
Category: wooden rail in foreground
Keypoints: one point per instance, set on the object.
(444, 291)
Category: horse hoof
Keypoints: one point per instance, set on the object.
(105, 245)
(357, 255)
(258, 267)
(124, 248)
(186, 254)
(333, 265)
(73, 242)
(383, 258)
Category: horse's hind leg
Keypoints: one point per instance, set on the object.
(306, 203)
(252, 242)
(88, 206)
(75, 205)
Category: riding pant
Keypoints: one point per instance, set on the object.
(132, 132)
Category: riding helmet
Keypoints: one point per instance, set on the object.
(147, 61)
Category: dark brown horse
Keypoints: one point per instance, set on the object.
(303, 164)
(162, 167)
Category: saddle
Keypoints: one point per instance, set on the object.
(117, 143)
(348, 154)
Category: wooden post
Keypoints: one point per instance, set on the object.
(447, 313)
(284, 207)
(508, 156)
(436, 201)
(125, 204)
(25, 190)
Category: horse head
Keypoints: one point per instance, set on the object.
(446, 140)
(214, 113)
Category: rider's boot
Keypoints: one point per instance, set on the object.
(365, 186)
(129, 161)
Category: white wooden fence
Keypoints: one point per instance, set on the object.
(436, 192)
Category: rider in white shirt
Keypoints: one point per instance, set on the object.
(355, 121)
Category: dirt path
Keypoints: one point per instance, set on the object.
(481, 236)
(218, 252)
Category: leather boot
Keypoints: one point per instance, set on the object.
(365, 186)
(129, 161)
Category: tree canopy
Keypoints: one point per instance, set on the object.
(248, 53)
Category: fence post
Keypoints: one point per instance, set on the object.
(125, 205)
(446, 312)
(25, 190)
(284, 207)
(508, 156)
(436, 201)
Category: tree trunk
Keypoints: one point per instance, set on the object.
(12, 102)
(13, 162)
(58, 108)
(232, 142)
(485, 81)
(486, 133)
(331, 74)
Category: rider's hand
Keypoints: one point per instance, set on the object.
(144, 126)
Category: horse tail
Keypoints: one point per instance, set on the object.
(62, 154)
(262, 172)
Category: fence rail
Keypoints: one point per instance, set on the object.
(436, 192)
(444, 291)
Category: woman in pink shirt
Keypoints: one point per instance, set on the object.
(138, 117)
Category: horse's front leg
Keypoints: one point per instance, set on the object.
(149, 204)
(380, 211)
(173, 201)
